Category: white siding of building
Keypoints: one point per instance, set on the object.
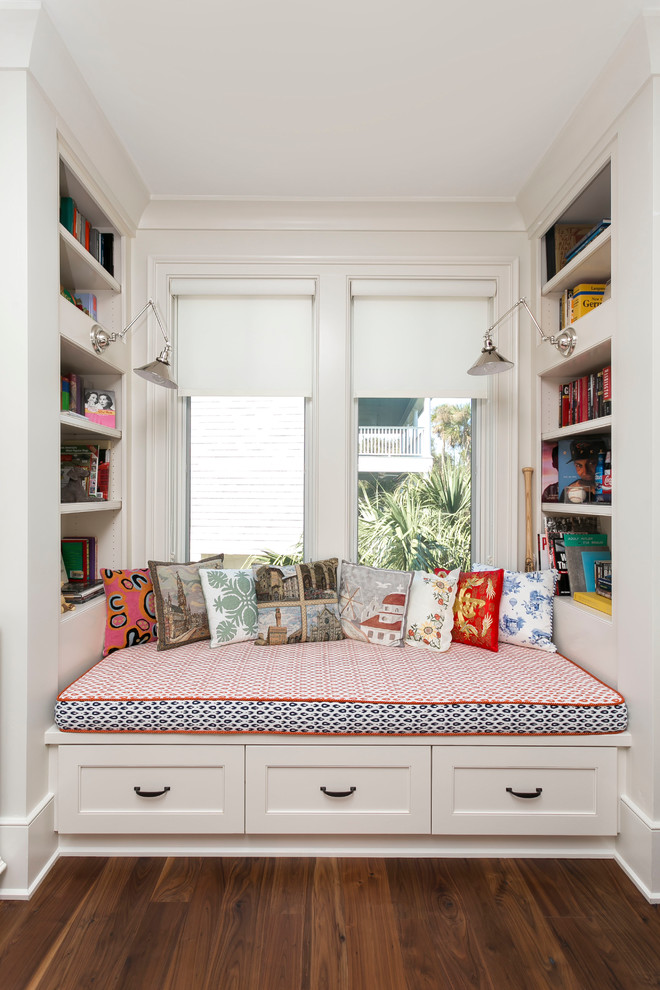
(246, 475)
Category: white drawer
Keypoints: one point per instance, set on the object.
(512, 790)
(152, 789)
(338, 789)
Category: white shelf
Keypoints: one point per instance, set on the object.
(79, 270)
(72, 423)
(82, 607)
(593, 264)
(568, 602)
(70, 508)
(602, 425)
(569, 509)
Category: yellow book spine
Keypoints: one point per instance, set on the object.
(593, 600)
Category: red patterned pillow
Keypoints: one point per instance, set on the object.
(477, 608)
(130, 612)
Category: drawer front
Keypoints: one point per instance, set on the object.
(152, 789)
(517, 791)
(338, 789)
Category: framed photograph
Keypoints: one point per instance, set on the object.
(100, 406)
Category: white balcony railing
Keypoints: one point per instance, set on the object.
(391, 441)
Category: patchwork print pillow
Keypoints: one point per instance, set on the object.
(477, 608)
(430, 610)
(297, 603)
(373, 603)
(231, 605)
(526, 609)
(130, 617)
(180, 602)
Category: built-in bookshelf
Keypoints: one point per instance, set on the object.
(82, 275)
(591, 265)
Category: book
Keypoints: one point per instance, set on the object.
(100, 406)
(585, 539)
(542, 548)
(85, 456)
(106, 257)
(549, 472)
(588, 237)
(575, 562)
(566, 236)
(78, 592)
(67, 208)
(556, 528)
(589, 559)
(607, 391)
(586, 296)
(88, 303)
(577, 462)
(79, 556)
(593, 600)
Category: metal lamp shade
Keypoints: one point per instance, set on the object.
(490, 362)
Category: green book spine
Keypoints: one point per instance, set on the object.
(585, 539)
(67, 208)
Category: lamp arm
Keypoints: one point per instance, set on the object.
(149, 303)
(564, 341)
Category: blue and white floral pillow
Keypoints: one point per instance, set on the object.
(526, 608)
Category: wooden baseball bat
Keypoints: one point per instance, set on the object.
(529, 541)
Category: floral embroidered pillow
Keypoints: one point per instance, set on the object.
(526, 609)
(477, 608)
(430, 610)
(130, 618)
(231, 605)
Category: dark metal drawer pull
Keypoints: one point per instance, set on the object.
(338, 793)
(525, 794)
(141, 793)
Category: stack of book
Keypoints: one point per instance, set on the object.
(585, 398)
(579, 300)
(582, 559)
(99, 244)
(72, 395)
(565, 240)
(80, 567)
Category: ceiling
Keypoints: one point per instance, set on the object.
(341, 99)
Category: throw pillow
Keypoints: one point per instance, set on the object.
(477, 608)
(231, 605)
(431, 610)
(526, 608)
(297, 603)
(373, 603)
(130, 618)
(180, 602)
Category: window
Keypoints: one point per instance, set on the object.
(247, 476)
(245, 362)
(414, 482)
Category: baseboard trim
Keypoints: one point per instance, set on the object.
(638, 849)
(29, 848)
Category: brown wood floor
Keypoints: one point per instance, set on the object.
(330, 924)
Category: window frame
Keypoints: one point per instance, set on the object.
(330, 512)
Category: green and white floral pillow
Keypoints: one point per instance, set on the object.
(231, 605)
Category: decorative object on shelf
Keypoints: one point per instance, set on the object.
(492, 363)
(159, 371)
(100, 406)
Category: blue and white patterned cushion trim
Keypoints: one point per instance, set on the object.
(337, 718)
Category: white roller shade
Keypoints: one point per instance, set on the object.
(417, 346)
(245, 344)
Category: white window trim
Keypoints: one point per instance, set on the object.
(331, 437)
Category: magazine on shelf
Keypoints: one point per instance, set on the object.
(100, 406)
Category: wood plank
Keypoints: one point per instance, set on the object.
(325, 959)
(374, 953)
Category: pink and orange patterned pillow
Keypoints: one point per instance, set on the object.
(477, 608)
(130, 610)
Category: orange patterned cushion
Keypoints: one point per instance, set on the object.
(477, 608)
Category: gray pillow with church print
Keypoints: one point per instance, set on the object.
(179, 600)
(373, 603)
(297, 603)
(231, 605)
